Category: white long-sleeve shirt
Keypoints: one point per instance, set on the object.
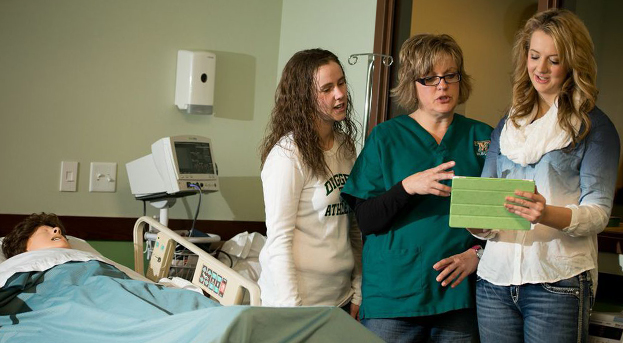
(312, 254)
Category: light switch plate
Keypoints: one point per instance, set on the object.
(69, 176)
(103, 177)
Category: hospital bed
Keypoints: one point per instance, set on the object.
(80, 296)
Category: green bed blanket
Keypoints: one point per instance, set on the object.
(95, 302)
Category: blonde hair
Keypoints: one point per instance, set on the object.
(418, 56)
(576, 52)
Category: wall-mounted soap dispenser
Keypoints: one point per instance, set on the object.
(194, 88)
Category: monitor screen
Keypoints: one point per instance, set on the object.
(194, 158)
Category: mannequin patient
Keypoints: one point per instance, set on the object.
(38, 231)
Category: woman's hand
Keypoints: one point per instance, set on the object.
(532, 208)
(354, 311)
(479, 232)
(456, 268)
(427, 182)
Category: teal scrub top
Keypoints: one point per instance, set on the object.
(398, 274)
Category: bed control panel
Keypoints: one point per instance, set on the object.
(161, 257)
(212, 278)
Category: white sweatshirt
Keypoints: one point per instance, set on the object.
(312, 254)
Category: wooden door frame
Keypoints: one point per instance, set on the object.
(383, 31)
(547, 4)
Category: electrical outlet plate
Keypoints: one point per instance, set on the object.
(103, 177)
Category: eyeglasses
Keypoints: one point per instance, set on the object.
(435, 80)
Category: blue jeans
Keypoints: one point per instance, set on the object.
(546, 313)
(455, 326)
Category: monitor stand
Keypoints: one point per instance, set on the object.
(163, 204)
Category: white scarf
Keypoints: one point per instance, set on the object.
(531, 140)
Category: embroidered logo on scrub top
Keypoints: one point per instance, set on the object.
(483, 147)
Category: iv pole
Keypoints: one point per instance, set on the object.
(387, 61)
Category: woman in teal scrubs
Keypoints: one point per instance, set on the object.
(399, 190)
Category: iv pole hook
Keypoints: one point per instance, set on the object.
(387, 61)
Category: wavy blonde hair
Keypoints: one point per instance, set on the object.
(296, 111)
(418, 56)
(576, 52)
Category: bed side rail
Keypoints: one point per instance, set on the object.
(222, 283)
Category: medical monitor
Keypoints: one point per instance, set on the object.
(174, 165)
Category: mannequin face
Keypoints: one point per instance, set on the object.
(46, 237)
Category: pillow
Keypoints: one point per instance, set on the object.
(79, 245)
(75, 242)
(42, 260)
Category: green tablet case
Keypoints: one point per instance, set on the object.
(478, 203)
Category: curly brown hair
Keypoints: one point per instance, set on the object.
(576, 52)
(15, 242)
(296, 110)
(418, 56)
